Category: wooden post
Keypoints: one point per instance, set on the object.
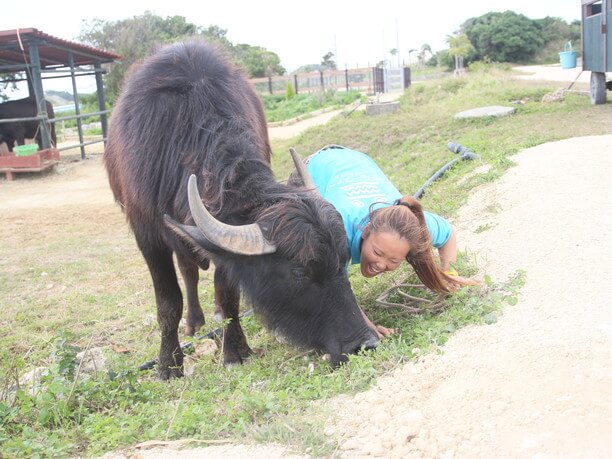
(346, 78)
(77, 109)
(101, 100)
(270, 84)
(40, 96)
(295, 81)
(322, 82)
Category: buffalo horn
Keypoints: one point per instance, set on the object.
(302, 171)
(242, 240)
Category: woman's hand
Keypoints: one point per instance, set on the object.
(380, 331)
(383, 331)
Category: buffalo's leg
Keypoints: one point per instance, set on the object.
(227, 296)
(169, 301)
(191, 275)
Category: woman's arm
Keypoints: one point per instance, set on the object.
(448, 252)
(378, 329)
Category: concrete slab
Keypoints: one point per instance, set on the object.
(380, 109)
(481, 112)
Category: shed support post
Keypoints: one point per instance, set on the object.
(40, 96)
(101, 101)
(77, 109)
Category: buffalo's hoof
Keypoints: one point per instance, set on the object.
(169, 373)
(191, 328)
(237, 356)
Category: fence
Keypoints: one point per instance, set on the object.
(361, 79)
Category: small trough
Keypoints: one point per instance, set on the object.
(381, 108)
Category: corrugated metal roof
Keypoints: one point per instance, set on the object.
(53, 51)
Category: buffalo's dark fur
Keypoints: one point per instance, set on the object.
(185, 111)
(18, 131)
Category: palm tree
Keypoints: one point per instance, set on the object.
(409, 58)
(460, 47)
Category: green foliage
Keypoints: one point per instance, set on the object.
(460, 45)
(504, 37)
(257, 61)
(289, 92)
(328, 61)
(282, 107)
(556, 33)
(133, 39)
(137, 37)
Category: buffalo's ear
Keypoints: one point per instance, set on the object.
(192, 238)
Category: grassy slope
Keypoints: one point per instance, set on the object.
(108, 293)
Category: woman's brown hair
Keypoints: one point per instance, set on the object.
(406, 219)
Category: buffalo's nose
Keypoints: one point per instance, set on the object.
(370, 343)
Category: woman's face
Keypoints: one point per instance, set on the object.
(381, 252)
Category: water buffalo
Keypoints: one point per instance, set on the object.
(18, 131)
(186, 110)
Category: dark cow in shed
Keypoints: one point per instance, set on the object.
(18, 131)
(186, 110)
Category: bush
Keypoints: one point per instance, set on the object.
(289, 92)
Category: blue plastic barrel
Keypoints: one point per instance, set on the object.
(568, 57)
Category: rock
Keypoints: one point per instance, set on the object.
(483, 112)
(205, 347)
(93, 360)
(31, 379)
(349, 444)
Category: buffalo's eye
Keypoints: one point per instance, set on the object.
(298, 273)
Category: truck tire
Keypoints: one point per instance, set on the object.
(598, 88)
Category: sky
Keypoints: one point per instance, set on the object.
(358, 32)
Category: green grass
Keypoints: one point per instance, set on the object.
(280, 108)
(71, 275)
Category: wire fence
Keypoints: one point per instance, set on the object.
(360, 79)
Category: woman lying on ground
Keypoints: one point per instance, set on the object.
(383, 226)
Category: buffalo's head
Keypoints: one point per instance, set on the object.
(291, 264)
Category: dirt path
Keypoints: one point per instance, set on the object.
(538, 383)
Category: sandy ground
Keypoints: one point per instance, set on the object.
(553, 72)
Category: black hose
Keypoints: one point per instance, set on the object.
(465, 154)
(216, 332)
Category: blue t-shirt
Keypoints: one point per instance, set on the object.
(352, 182)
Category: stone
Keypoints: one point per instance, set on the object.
(483, 112)
(382, 108)
(93, 360)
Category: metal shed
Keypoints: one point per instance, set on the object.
(597, 45)
(36, 56)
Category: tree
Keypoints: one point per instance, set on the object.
(328, 62)
(394, 52)
(133, 39)
(410, 51)
(504, 37)
(257, 61)
(460, 47)
(137, 37)
(422, 56)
